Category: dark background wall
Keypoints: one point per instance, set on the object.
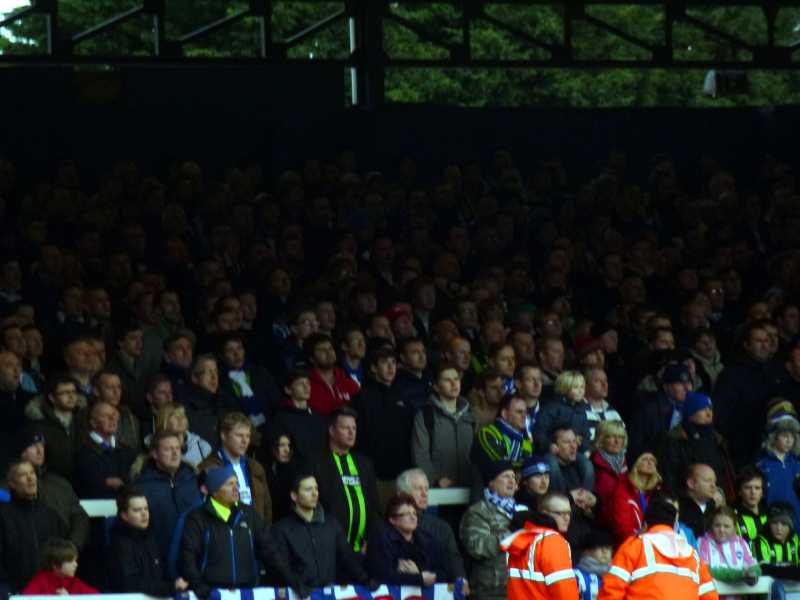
(222, 116)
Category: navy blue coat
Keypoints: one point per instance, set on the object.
(386, 547)
(557, 413)
(168, 497)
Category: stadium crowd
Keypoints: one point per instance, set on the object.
(269, 376)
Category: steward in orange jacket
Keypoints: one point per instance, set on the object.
(539, 562)
(658, 564)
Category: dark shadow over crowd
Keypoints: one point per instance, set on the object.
(269, 376)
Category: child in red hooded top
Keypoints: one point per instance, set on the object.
(59, 561)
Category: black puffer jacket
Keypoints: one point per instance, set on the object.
(24, 528)
(134, 563)
(219, 554)
(318, 551)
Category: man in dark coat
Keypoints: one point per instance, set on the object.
(741, 395)
(102, 467)
(135, 563)
(26, 524)
(306, 428)
(12, 400)
(169, 485)
(347, 485)
(224, 540)
(54, 491)
(657, 413)
(313, 545)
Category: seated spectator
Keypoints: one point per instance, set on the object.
(401, 554)
(13, 398)
(169, 485)
(657, 413)
(53, 490)
(567, 409)
(413, 382)
(101, 466)
(202, 400)
(704, 351)
(207, 565)
(485, 396)
(80, 359)
(251, 385)
(157, 394)
(623, 514)
(385, 421)
(296, 419)
(107, 387)
(25, 525)
(414, 483)
(608, 458)
(701, 495)
(597, 407)
(750, 508)
(776, 549)
(135, 562)
(331, 388)
(444, 430)
(534, 482)
(235, 431)
(177, 362)
(172, 417)
(779, 459)
(59, 420)
(281, 468)
(483, 526)
(568, 474)
(594, 563)
(126, 362)
(727, 554)
(528, 381)
(506, 438)
(57, 577)
(313, 544)
(694, 440)
(347, 483)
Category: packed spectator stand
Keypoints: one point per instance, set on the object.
(271, 378)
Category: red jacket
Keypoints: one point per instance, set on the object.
(605, 479)
(324, 398)
(45, 583)
(624, 515)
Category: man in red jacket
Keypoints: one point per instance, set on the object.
(331, 387)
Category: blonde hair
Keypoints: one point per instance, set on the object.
(165, 413)
(567, 381)
(607, 429)
(644, 485)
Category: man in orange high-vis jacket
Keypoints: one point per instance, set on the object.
(659, 563)
(539, 560)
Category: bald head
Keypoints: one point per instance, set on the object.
(701, 482)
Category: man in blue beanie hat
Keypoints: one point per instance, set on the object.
(695, 440)
(224, 540)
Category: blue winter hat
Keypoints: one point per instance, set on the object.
(695, 402)
(535, 465)
(216, 478)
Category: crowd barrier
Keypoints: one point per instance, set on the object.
(98, 509)
(440, 591)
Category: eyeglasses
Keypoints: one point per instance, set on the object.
(401, 515)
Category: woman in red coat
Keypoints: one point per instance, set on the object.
(625, 513)
(60, 559)
(608, 459)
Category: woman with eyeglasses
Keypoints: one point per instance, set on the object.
(399, 553)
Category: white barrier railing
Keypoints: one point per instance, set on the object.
(97, 509)
(439, 591)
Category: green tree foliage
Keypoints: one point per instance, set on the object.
(434, 32)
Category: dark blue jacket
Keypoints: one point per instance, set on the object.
(168, 497)
(386, 547)
(557, 413)
(412, 390)
(780, 477)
